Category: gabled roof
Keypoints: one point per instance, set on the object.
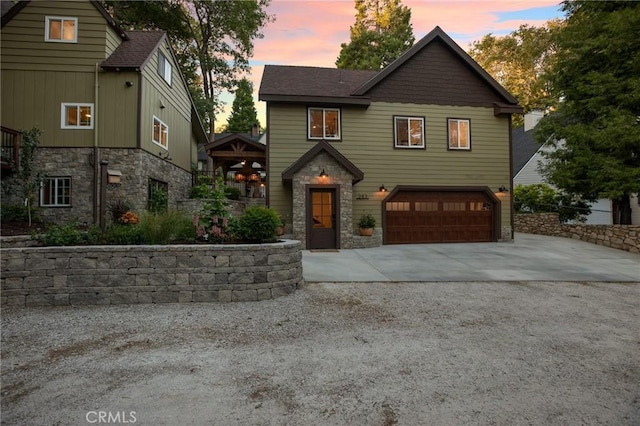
(134, 53)
(217, 144)
(10, 10)
(435, 34)
(524, 147)
(323, 146)
(308, 84)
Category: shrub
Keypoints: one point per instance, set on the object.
(542, 198)
(256, 225)
(164, 228)
(63, 235)
(129, 218)
(158, 200)
(119, 208)
(16, 212)
(232, 193)
(367, 221)
(200, 191)
(211, 222)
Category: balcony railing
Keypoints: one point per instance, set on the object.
(10, 148)
(247, 189)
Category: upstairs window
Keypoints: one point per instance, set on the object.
(459, 136)
(61, 29)
(55, 192)
(408, 132)
(160, 133)
(76, 116)
(164, 67)
(323, 123)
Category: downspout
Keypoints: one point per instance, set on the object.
(96, 153)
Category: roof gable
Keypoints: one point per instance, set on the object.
(323, 146)
(524, 147)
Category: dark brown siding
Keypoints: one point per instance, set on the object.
(435, 76)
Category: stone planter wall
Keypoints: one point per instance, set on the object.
(623, 237)
(103, 275)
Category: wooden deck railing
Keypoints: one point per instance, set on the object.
(10, 148)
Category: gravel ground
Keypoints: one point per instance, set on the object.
(505, 353)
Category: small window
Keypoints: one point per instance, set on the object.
(426, 206)
(398, 206)
(164, 67)
(458, 206)
(76, 116)
(55, 192)
(323, 123)
(61, 29)
(160, 133)
(408, 132)
(459, 135)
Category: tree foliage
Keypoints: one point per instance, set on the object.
(542, 198)
(243, 113)
(596, 129)
(213, 40)
(29, 177)
(519, 61)
(381, 33)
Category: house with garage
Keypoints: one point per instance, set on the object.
(528, 156)
(423, 145)
(116, 114)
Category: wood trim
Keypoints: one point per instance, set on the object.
(318, 100)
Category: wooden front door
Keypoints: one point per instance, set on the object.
(321, 218)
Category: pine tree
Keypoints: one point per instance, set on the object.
(243, 113)
(381, 33)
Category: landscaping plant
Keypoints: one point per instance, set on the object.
(256, 225)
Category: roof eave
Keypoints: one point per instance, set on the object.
(506, 109)
(351, 100)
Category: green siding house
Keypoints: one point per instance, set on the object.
(423, 145)
(100, 95)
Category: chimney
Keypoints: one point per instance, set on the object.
(255, 130)
(531, 119)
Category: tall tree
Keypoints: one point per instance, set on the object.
(381, 33)
(596, 128)
(519, 61)
(243, 113)
(213, 40)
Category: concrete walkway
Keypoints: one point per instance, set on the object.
(528, 258)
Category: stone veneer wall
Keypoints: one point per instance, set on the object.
(103, 275)
(337, 175)
(623, 237)
(136, 165)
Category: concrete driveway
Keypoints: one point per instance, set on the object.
(528, 258)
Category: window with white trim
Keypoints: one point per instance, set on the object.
(323, 123)
(160, 133)
(459, 133)
(76, 116)
(61, 29)
(408, 132)
(55, 192)
(164, 67)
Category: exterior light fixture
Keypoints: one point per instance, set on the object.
(382, 188)
(323, 174)
(503, 189)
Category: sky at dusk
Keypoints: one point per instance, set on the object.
(309, 32)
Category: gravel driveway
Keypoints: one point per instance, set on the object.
(450, 353)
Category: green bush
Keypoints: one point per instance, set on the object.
(63, 235)
(232, 193)
(200, 191)
(542, 198)
(165, 228)
(119, 208)
(256, 225)
(367, 221)
(14, 212)
(158, 200)
(122, 234)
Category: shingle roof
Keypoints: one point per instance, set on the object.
(135, 52)
(293, 81)
(524, 147)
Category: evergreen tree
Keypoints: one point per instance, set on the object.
(381, 33)
(596, 128)
(243, 113)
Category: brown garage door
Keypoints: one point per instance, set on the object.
(439, 217)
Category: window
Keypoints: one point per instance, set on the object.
(76, 116)
(398, 206)
(164, 67)
(324, 123)
(55, 192)
(160, 133)
(459, 137)
(60, 29)
(158, 196)
(408, 132)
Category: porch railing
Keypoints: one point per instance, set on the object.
(247, 189)
(10, 148)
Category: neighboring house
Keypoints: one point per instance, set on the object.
(99, 94)
(527, 157)
(423, 145)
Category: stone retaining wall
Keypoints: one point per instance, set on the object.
(103, 275)
(623, 237)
